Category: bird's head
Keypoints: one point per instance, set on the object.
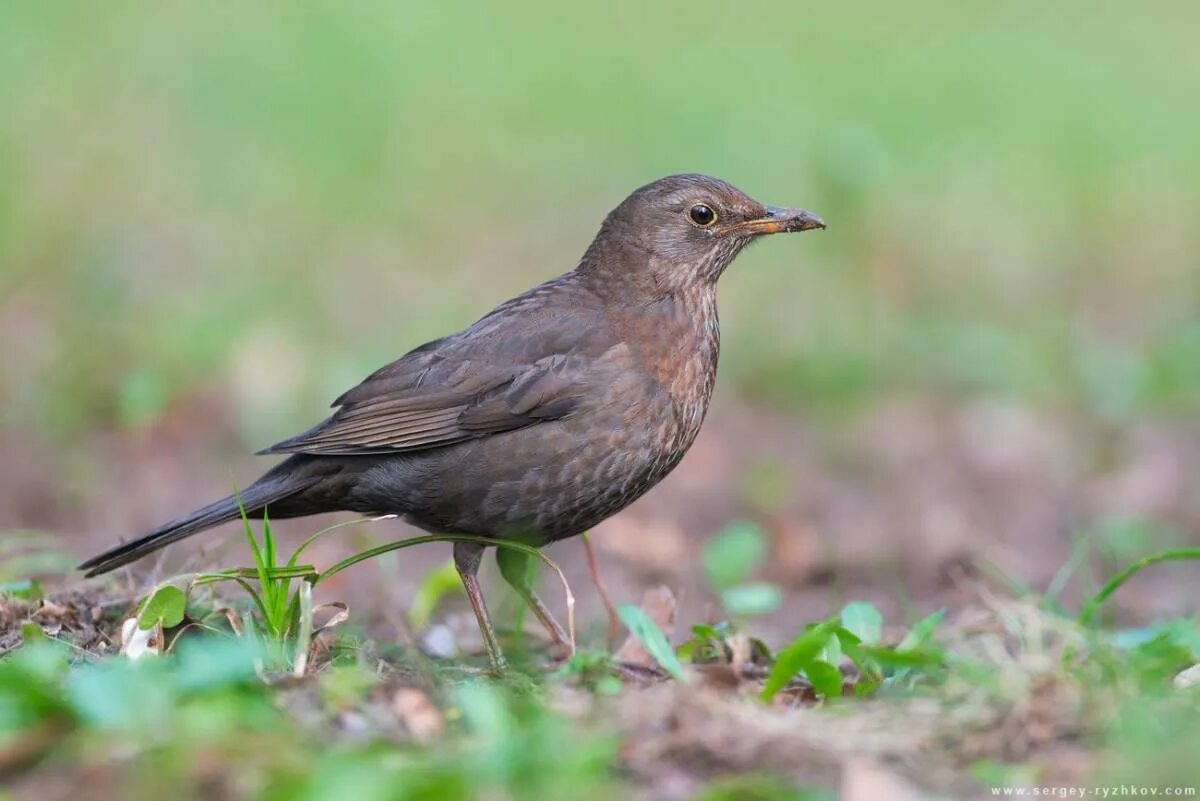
(688, 228)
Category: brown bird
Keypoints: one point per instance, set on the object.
(556, 410)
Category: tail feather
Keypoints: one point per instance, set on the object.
(254, 499)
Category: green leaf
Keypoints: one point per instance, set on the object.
(825, 678)
(863, 620)
(652, 639)
(1156, 661)
(797, 657)
(891, 657)
(436, 585)
(914, 647)
(166, 604)
(921, 632)
(31, 632)
(832, 652)
(853, 648)
(733, 554)
(714, 633)
(706, 643)
(1182, 631)
(26, 590)
(748, 600)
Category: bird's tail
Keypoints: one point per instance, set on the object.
(275, 486)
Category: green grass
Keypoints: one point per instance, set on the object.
(202, 716)
(364, 722)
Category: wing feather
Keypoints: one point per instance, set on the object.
(529, 361)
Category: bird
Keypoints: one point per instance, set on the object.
(551, 413)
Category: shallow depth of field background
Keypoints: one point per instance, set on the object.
(214, 221)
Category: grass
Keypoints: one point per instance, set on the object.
(983, 697)
(280, 619)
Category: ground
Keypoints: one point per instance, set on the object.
(1018, 691)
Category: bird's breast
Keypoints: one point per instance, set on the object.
(677, 346)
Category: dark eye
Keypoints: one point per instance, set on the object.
(702, 215)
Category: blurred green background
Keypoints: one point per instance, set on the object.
(260, 203)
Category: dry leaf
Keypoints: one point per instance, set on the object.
(49, 610)
(336, 619)
(1188, 678)
(136, 643)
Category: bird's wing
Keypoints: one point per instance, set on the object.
(530, 360)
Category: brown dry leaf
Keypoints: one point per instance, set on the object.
(866, 779)
(231, 615)
(49, 610)
(341, 615)
(659, 605)
(420, 716)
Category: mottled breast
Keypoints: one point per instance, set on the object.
(654, 409)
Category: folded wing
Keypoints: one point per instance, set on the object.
(523, 364)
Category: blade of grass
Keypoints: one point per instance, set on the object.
(1079, 555)
(291, 572)
(212, 578)
(268, 541)
(922, 631)
(266, 602)
(1114, 583)
(344, 524)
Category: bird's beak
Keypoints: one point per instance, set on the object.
(781, 221)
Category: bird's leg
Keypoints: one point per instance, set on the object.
(467, 556)
(514, 567)
(614, 620)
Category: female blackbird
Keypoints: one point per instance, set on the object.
(553, 412)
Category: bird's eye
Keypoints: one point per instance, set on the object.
(702, 215)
